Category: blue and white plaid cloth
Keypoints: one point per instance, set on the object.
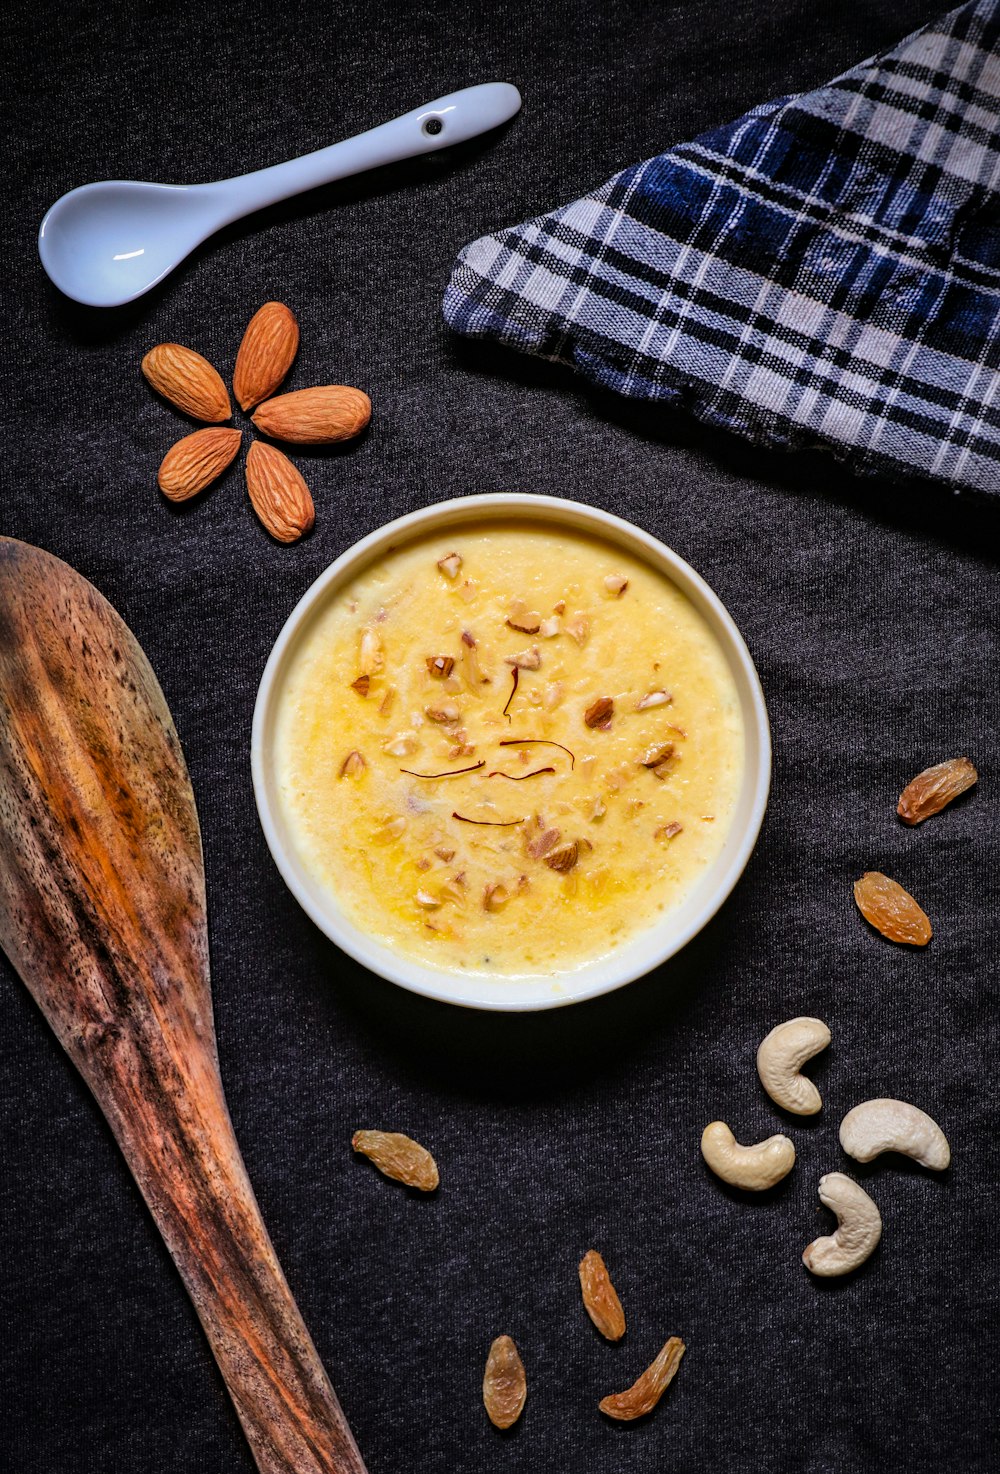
(826, 270)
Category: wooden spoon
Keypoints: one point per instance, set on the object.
(102, 912)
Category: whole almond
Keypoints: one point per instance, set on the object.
(280, 496)
(315, 416)
(194, 462)
(269, 344)
(188, 381)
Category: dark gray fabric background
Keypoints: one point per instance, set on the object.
(871, 613)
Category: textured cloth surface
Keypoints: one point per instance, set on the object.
(825, 269)
(871, 616)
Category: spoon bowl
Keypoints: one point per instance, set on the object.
(106, 244)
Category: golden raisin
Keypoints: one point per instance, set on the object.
(600, 1299)
(891, 910)
(505, 1385)
(398, 1157)
(933, 789)
(643, 1395)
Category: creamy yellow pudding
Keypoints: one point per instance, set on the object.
(508, 749)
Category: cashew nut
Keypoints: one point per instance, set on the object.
(859, 1228)
(754, 1167)
(877, 1126)
(780, 1059)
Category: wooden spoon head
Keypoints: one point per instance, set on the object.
(102, 887)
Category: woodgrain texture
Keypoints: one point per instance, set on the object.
(102, 912)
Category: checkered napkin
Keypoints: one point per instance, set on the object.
(825, 270)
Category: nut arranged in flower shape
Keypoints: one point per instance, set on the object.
(317, 416)
(491, 828)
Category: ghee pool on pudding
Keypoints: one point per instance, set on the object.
(509, 749)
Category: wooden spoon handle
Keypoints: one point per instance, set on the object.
(180, 1145)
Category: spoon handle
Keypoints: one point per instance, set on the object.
(438, 124)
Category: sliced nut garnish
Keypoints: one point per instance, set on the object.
(385, 705)
(399, 1157)
(445, 855)
(353, 765)
(549, 627)
(424, 898)
(525, 659)
(495, 896)
(523, 619)
(654, 698)
(598, 808)
(578, 629)
(440, 665)
(389, 830)
(450, 564)
(656, 756)
(616, 583)
(552, 695)
(600, 712)
(361, 685)
(467, 592)
(668, 831)
(564, 858)
(372, 655)
(545, 842)
(402, 745)
(444, 716)
(560, 607)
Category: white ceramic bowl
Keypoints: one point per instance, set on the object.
(633, 958)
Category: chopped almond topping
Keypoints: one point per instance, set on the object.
(578, 628)
(616, 583)
(445, 855)
(598, 808)
(599, 713)
(552, 695)
(657, 756)
(525, 659)
(495, 897)
(440, 665)
(389, 829)
(424, 898)
(402, 745)
(654, 698)
(559, 608)
(545, 842)
(385, 705)
(361, 685)
(450, 565)
(523, 619)
(564, 858)
(469, 639)
(549, 627)
(445, 716)
(423, 863)
(372, 657)
(667, 831)
(467, 592)
(353, 765)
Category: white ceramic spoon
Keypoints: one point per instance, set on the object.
(105, 244)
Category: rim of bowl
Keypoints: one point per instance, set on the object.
(641, 953)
